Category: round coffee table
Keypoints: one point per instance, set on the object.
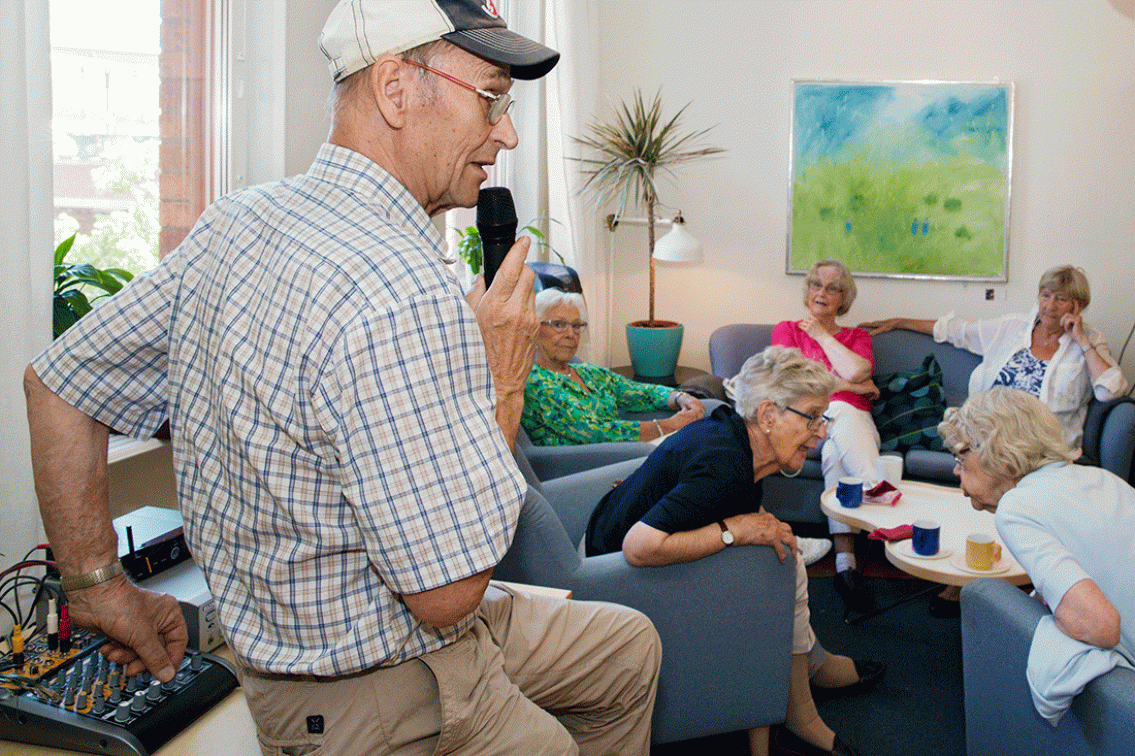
(952, 510)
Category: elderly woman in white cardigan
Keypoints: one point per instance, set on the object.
(1051, 352)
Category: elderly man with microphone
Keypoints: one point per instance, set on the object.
(342, 418)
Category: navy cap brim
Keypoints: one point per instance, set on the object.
(526, 59)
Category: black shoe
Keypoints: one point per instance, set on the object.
(870, 672)
(791, 745)
(851, 587)
(944, 608)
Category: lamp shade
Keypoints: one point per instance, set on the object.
(678, 245)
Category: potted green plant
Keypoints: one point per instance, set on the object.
(70, 301)
(630, 153)
(469, 248)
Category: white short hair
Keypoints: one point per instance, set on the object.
(1012, 432)
(551, 298)
(780, 375)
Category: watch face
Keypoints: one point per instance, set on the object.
(727, 538)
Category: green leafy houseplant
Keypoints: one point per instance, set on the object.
(630, 153)
(70, 302)
(469, 248)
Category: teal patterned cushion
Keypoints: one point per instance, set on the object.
(909, 408)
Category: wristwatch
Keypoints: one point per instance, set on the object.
(726, 534)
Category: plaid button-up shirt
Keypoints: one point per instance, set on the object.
(331, 409)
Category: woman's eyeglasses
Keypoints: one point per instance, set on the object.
(499, 104)
(830, 289)
(814, 421)
(959, 457)
(559, 326)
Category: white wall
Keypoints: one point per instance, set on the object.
(308, 83)
(280, 83)
(1073, 190)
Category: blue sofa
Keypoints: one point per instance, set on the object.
(725, 621)
(998, 621)
(1109, 429)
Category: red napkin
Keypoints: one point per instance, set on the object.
(884, 493)
(898, 533)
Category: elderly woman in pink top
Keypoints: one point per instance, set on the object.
(852, 447)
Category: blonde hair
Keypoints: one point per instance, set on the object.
(1012, 432)
(780, 375)
(551, 298)
(846, 283)
(1072, 281)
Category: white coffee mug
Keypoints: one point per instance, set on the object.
(889, 468)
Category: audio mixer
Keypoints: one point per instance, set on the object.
(74, 698)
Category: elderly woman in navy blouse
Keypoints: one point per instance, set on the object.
(1051, 352)
(569, 403)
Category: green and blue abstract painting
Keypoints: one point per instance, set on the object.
(902, 178)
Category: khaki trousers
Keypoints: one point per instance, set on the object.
(535, 675)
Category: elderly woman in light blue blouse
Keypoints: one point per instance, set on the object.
(1051, 352)
(568, 403)
(1069, 526)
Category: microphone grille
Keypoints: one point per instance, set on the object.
(495, 207)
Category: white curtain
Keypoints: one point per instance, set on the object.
(26, 231)
(544, 180)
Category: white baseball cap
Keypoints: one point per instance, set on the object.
(358, 32)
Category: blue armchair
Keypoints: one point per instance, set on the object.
(725, 620)
(998, 621)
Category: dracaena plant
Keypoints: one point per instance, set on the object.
(73, 281)
(631, 152)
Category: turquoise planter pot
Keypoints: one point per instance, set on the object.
(654, 351)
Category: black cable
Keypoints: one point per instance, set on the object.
(32, 550)
(1125, 343)
(55, 591)
(15, 619)
(15, 588)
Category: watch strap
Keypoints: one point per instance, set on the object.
(725, 529)
(94, 577)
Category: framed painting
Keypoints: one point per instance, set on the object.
(905, 179)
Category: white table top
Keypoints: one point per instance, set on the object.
(951, 509)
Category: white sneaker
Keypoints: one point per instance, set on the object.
(813, 549)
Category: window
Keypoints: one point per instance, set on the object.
(136, 124)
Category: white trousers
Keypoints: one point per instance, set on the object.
(852, 449)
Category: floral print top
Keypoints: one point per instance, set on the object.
(559, 412)
(1023, 371)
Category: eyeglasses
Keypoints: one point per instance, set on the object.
(814, 421)
(829, 289)
(499, 104)
(559, 326)
(958, 456)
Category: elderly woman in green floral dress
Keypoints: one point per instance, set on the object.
(569, 403)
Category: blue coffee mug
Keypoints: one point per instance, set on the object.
(925, 536)
(849, 491)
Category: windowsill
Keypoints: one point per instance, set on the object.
(124, 447)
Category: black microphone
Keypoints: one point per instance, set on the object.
(496, 223)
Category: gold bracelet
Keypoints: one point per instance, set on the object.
(94, 577)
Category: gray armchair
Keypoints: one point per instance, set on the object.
(998, 621)
(550, 462)
(725, 621)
